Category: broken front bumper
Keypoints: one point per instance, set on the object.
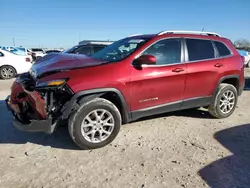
(34, 125)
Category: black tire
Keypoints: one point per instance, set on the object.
(77, 117)
(5, 77)
(214, 107)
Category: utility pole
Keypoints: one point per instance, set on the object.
(14, 42)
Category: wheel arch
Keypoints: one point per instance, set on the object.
(111, 94)
(230, 79)
(8, 65)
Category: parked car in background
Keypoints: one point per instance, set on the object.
(37, 53)
(13, 50)
(26, 51)
(18, 51)
(12, 64)
(52, 51)
(246, 56)
(134, 77)
(88, 47)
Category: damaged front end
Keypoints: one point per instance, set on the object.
(36, 106)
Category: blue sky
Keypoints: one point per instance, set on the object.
(60, 23)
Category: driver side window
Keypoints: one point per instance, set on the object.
(167, 51)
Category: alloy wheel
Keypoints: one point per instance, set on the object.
(97, 126)
(7, 72)
(227, 102)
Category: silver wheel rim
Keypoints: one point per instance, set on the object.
(227, 102)
(7, 72)
(97, 125)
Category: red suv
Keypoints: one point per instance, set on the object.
(137, 76)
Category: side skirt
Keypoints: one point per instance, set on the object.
(171, 107)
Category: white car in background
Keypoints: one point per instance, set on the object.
(247, 59)
(246, 56)
(37, 53)
(17, 50)
(26, 51)
(12, 64)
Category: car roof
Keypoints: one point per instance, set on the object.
(186, 34)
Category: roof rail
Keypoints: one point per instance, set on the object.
(190, 32)
(84, 42)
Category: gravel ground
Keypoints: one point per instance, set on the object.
(181, 149)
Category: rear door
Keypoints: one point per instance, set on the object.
(204, 68)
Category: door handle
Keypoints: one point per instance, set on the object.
(178, 70)
(218, 65)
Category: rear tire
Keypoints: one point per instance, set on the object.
(95, 124)
(7, 72)
(224, 102)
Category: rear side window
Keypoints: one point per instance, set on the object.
(199, 49)
(222, 49)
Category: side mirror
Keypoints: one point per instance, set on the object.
(145, 60)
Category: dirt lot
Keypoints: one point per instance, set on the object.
(181, 149)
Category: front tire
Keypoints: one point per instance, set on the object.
(95, 124)
(7, 72)
(224, 102)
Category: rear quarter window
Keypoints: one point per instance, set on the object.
(222, 49)
(37, 50)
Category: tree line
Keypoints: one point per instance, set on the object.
(242, 44)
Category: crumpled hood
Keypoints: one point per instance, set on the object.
(61, 62)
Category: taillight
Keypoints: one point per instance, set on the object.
(243, 59)
(29, 53)
(27, 59)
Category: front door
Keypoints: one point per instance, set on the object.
(157, 88)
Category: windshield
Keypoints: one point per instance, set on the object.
(119, 49)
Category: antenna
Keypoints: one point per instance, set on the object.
(14, 42)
